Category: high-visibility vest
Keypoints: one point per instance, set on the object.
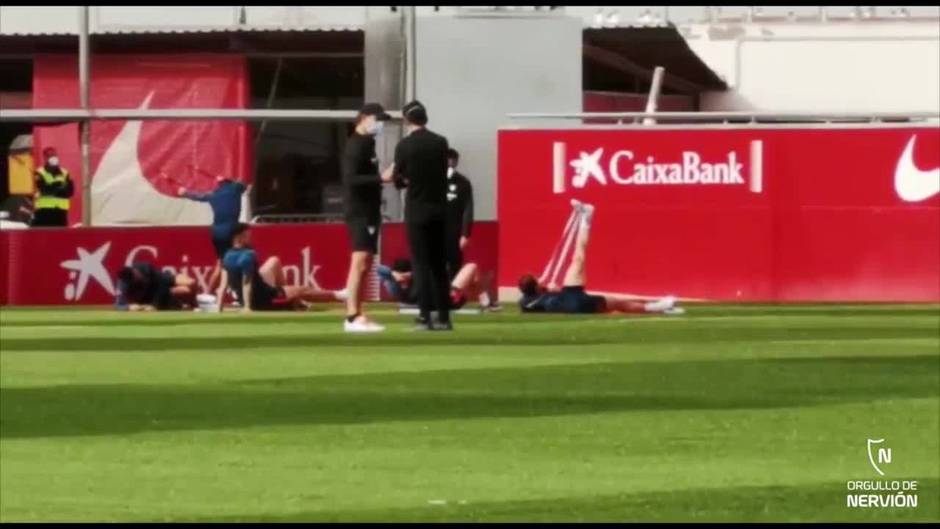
(49, 202)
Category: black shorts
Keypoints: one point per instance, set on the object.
(263, 295)
(164, 298)
(221, 245)
(574, 300)
(50, 217)
(364, 234)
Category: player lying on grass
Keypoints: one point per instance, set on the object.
(262, 287)
(572, 298)
(143, 287)
(468, 283)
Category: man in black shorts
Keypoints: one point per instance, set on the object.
(262, 286)
(571, 298)
(363, 210)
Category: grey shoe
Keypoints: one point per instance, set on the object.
(442, 326)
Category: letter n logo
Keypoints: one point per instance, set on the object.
(884, 455)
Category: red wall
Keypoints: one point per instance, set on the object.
(826, 224)
(64, 266)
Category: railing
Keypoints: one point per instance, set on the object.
(69, 114)
(745, 117)
(293, 218)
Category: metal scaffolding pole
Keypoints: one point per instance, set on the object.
(411, 53)
(60, 115)
(84, 88)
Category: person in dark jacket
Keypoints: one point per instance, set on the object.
(421, 166)
(54, 189)
(459, 213)
(226, 203)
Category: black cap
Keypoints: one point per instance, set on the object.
(375, 109)
(415, 112)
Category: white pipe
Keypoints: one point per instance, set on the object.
(84, 89)
(70, 114)
(653, 100)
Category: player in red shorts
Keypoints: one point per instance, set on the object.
(468, 283)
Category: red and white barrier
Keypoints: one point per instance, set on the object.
(78, 266)
(749, 214)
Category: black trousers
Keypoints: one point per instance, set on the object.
(427, 237)
(50, 217)
(454, 254)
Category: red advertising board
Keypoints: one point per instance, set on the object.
(78, 266)
(481, 249)
(749, 214)
(129, 158)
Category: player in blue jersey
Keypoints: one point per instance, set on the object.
(262, 286)
(572, 298)
(226, 203)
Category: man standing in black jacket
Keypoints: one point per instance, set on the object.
(421, 166)
(459, 213)
(363, 210)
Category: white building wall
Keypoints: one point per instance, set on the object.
(472, 71)
(835, 67)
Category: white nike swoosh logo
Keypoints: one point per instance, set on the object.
(121, 194)
(913, 184)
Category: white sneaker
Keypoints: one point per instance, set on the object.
(586, 210)
(360, 326)
(674, 311)
(661, 305)
(341, 295)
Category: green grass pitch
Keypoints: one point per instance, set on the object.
(727, 413)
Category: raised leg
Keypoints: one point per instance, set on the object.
(575, 275)
(272, 272)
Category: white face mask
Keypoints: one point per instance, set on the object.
(450, 172)
(376, 128)
(54, 161)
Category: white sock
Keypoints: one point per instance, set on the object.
(586, 221)
(587, 213)
(485, 299)
(660, 305)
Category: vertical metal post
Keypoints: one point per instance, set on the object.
(653, 100)
(84, 88)
(411, 53)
